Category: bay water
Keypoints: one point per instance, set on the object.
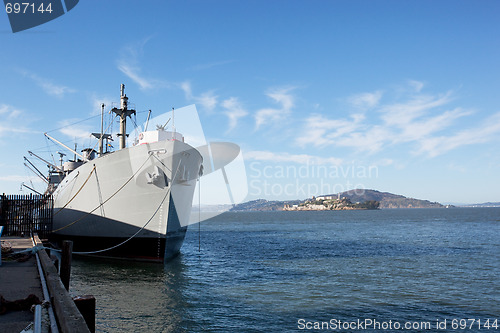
(423, 270)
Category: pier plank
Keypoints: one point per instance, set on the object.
(17, 281)
(68, 316)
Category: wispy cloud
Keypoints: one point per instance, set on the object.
(96, 101)
(10, 121)
(234, 111)
(365, 100)
(347, 132)
(207, 100)
(72, 128)
(283, 97)
(422, 120)
(280, 96)
(47, 85)
(267, 156)
(129, 64)
(186, 87)
(8, 111)
(416, 85)
(402, 113)
(489, 130)
(418, 130)
(134, 73)
(75, 132)
(268, 115)
(6, 129)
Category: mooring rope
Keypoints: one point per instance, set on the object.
(144, 226)
(199, 214)
(93, 210)
(37, 248)
(86, 180)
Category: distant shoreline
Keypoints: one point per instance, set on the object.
(346, 210)
(359, 198)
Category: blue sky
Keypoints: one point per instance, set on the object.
(398, 96)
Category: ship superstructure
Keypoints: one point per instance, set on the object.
(134, 202)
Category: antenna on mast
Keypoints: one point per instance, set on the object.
(173, 121)
(173, 124)
(102, 136)
(123, 112)
(61, 155)
(147, 121)
(102, 129)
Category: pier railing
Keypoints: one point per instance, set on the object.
(24, 214)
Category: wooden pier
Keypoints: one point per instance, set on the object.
(21, 278)
(29, 280)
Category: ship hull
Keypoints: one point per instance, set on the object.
(160, 249)
(134, 203)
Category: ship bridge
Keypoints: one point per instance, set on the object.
(159, 135)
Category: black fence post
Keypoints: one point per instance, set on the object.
(25, 214)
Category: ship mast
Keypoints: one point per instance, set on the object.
(123, 112)
(101, 135)
(101, 150)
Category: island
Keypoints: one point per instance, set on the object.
(331, 203)
(353, 199)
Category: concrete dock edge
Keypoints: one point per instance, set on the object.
(68, 316)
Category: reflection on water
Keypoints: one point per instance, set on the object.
(264, 271)
(130, 295)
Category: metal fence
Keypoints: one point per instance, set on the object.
(23, 214)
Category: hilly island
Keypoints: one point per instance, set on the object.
(349, 200)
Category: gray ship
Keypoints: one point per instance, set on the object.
(134, 202)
